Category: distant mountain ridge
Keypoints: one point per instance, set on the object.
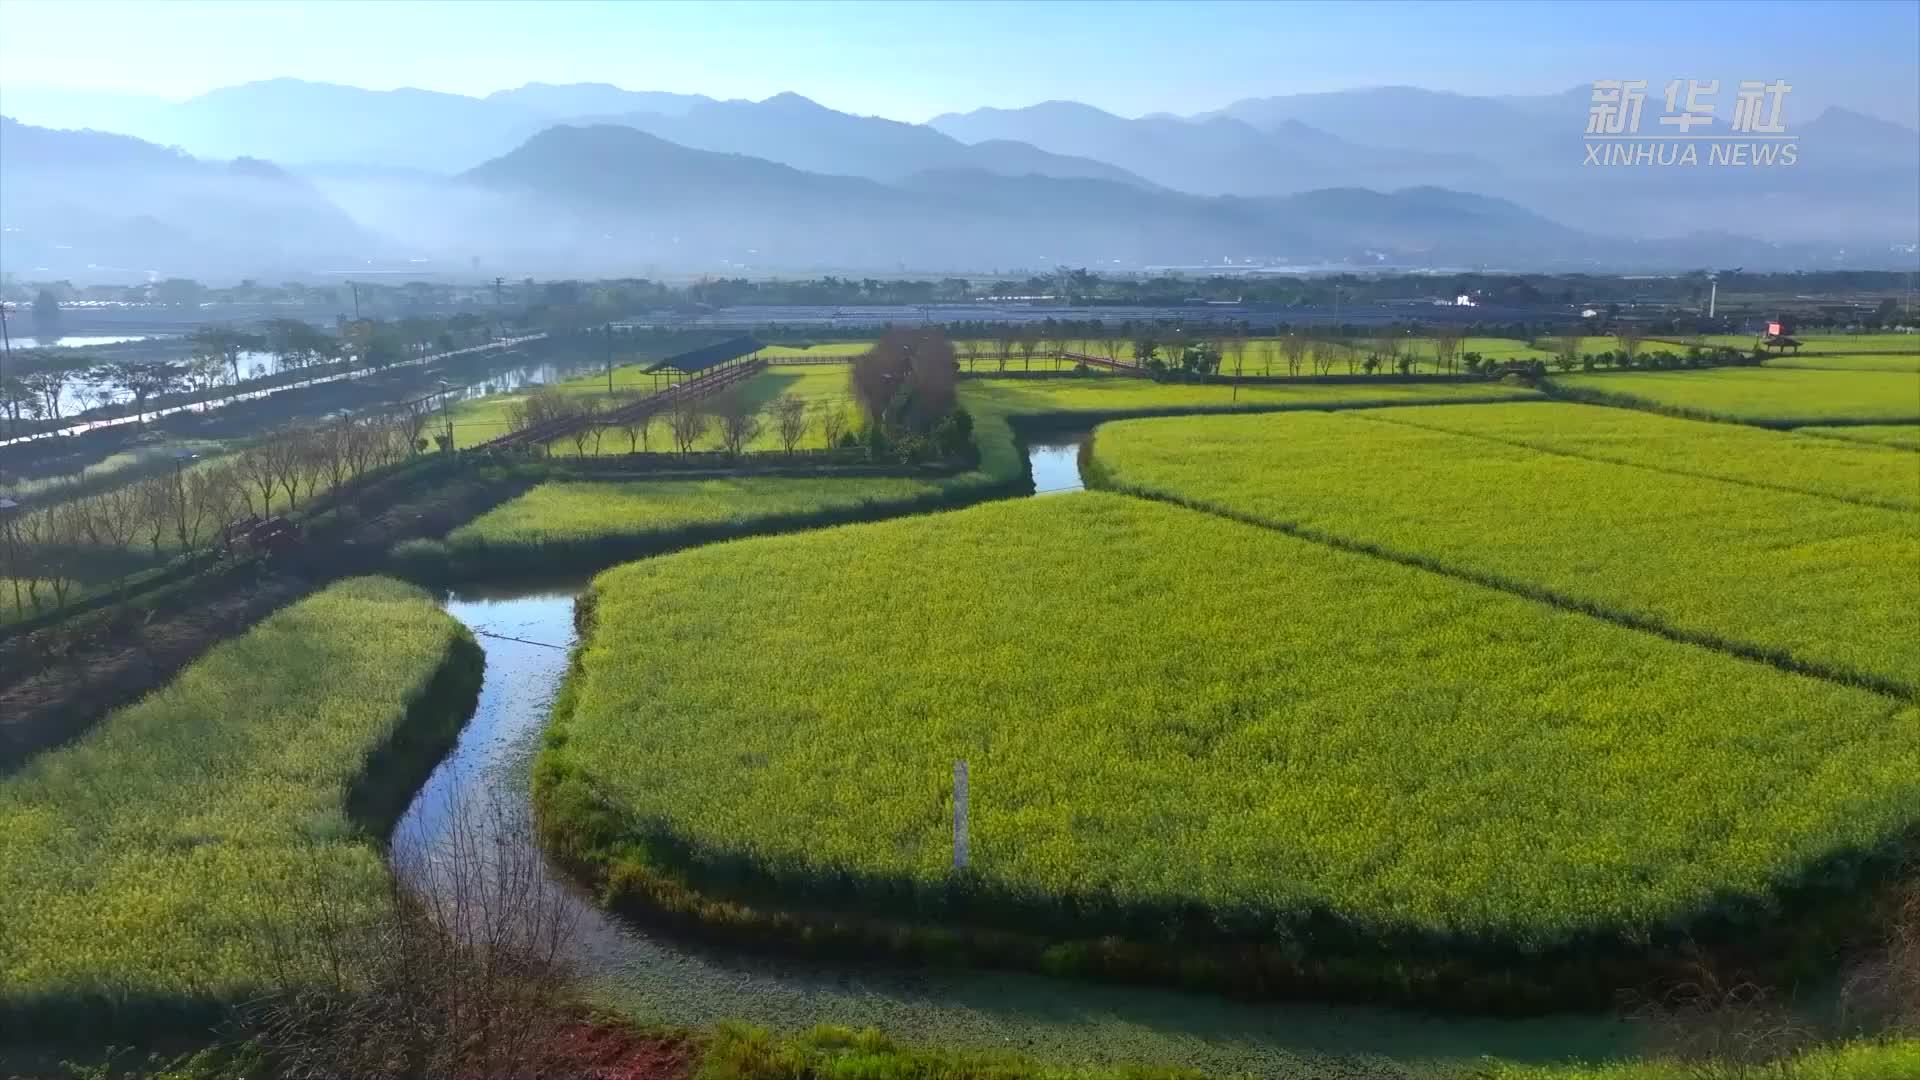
(612, 191)
(640, 179)
(93, 200)
(799, 132)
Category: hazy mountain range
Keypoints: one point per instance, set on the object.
(592, 178)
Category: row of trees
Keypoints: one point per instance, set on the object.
(687, 423)
(48, 550)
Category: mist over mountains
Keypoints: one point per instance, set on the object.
(289, 178)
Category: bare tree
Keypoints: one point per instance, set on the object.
(256, 473)
(31, 532)
(1631, 337)
(636, 425)
(13, 566)
(1446, 346)
(1006, 337)
(284, 460)
(1327, 353)
(539, 407)
(156, 497)
(833, 422)
(212, 499)
(1566, 350)
(1294, 347)
(113, 518)
(688, 422)
(65, 531)
(462, 972)
(586, 414)
(1113, 344)
(737, 419)
(331, 447)
(790, 421)
(1029, 344)
(414, 417)
(1389, 348)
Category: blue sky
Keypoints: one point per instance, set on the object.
(910, 61)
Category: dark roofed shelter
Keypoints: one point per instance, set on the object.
(705, 358)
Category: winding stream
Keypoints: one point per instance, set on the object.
(526, 632)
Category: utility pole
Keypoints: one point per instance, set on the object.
(498, 283)
(1713, 295)
(609, 358)
(356, 299)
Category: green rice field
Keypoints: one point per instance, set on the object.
(1761, 395)
(1190, 733)
(1796, 577)
(154, 860)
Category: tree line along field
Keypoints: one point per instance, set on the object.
(150, 867)
(1191, 736)
(1798, 578)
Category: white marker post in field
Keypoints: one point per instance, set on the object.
(959, 815)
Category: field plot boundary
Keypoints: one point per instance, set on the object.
(1548, 448)
(1100, 476)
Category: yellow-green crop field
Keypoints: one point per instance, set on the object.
(1881, 475)
(1766, 395)
(1163, 708)
(153, 861)
(1114, 395)
(562, 514)
(1871, 361)
(1905, 436)
(1860, 343)
(1822, 582)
